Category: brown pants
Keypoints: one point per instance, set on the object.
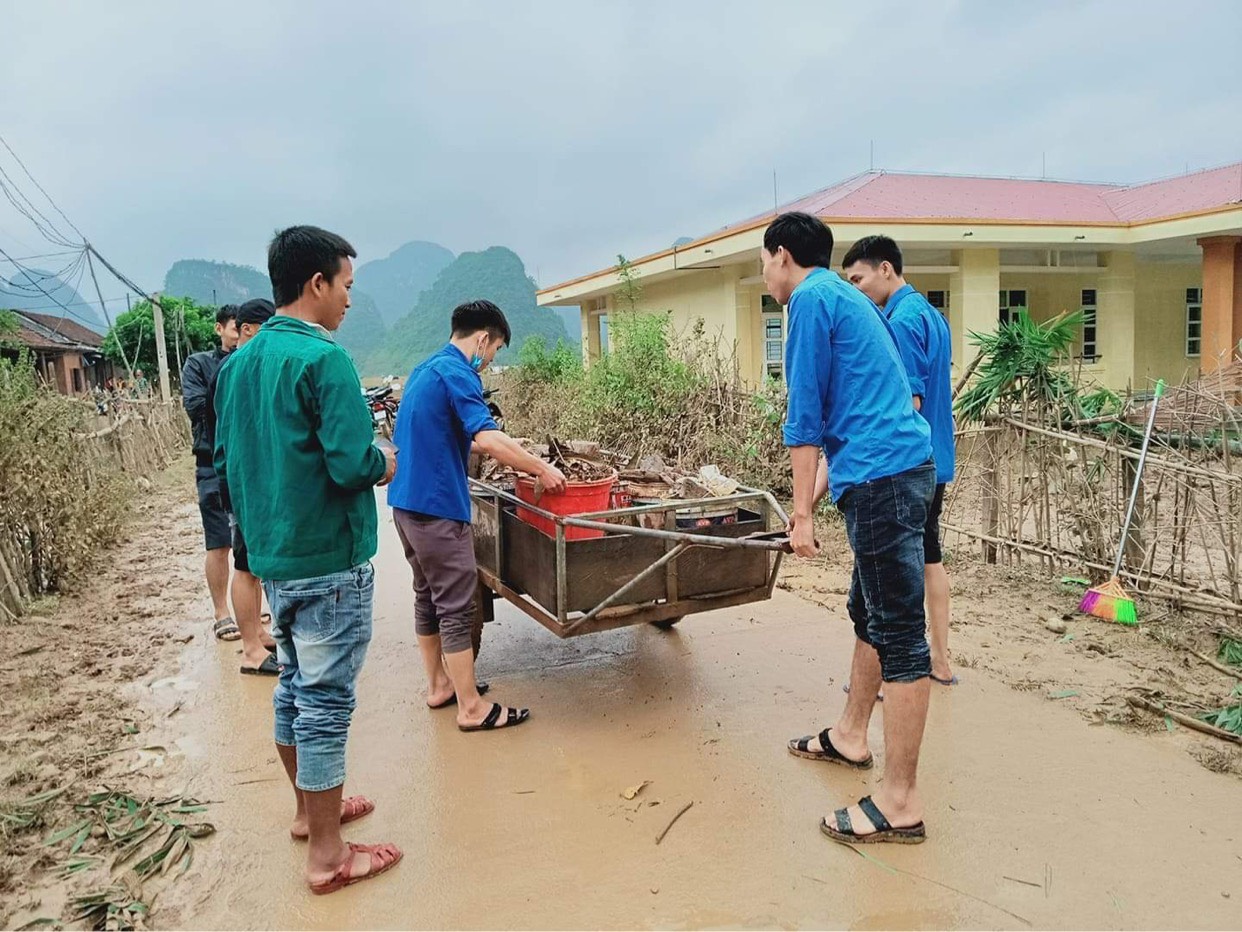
(441, 554)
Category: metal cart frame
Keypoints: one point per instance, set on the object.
(630, 575)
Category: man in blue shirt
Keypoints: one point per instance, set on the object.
(848, 396)
(441, 418)
(874, 266)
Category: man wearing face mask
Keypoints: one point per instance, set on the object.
(442, 416)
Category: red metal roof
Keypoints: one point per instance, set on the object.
(883, 195)
(1217, 187)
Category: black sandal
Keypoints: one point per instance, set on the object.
(226, 630)
(269, 667)
(492, 722)
(801, 747)
(844, 833)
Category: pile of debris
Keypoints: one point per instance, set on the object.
(646, 478)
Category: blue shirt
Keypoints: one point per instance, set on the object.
(441, 410)
(926, 349)
(847, 387)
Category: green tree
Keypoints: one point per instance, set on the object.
(8, 327)
(186, 323)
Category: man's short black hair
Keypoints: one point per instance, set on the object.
(474, 316)
(873, 250)
(226, 313)
(297, 253)
(807, 239)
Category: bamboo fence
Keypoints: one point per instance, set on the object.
(1055, 494)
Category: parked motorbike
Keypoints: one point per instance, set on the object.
(383, 409)
(494, 408)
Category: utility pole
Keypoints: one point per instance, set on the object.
(161, 348)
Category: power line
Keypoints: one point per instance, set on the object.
(40, 288)
(40, 187)
(47, 229)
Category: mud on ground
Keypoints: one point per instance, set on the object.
(90, 697)
(1022, 626)
(71, 675)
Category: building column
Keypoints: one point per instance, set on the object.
(1222, 300)
(590, 335)
(974, 300)
(1115, 318)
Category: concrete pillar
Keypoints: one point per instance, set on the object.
(590, 335)
(1222, 300)
(1115, 318)
(974, 300)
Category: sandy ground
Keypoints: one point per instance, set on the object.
(1037, 818)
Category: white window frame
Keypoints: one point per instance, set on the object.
(1090, 322)
(772, 313)
(1194, 303)
(1006, 308)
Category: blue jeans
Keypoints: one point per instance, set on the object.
(322, 627)
(885, 520)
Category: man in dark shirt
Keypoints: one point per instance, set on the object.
(258, 646)
(197, 376)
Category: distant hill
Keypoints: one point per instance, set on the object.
(571, 317)
(216, 283)
(396, 282)
(24, 291)
(363, 331)
(220, 283)
(496, 274)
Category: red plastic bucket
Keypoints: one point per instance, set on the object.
(579, 498)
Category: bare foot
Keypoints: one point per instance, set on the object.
(352, 809)
(440, 692)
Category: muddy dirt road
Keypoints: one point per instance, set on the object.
(1036, 817)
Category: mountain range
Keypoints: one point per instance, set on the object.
(400, 305)
(29, 290)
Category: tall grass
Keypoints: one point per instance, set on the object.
(657, 390)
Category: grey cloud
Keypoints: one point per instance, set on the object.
(573, 131)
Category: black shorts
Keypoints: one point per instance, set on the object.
(931, 531)
(241, 558)
(216, 532)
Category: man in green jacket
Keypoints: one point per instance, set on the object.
(294, 445)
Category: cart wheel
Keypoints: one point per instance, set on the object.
(667, 623)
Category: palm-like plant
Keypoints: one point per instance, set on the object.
(1021, 368)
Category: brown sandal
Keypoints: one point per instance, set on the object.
(352, 809)
(383, 857)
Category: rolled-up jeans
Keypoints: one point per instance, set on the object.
(322, 627)
(885, 520)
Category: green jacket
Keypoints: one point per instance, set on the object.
(294, 449)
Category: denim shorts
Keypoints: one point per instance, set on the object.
(885, 520)
(322, 627)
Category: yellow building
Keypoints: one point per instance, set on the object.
(1157, 267)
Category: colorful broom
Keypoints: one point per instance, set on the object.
(1110, 600)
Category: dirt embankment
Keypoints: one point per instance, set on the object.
(71, 673)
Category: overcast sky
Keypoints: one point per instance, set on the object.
(571, 131)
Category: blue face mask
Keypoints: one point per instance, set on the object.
(476, 361)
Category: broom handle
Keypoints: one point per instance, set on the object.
(1138, 478)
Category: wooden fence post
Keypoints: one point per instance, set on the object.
(991, 497)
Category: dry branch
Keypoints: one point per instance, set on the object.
(1192, 723)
